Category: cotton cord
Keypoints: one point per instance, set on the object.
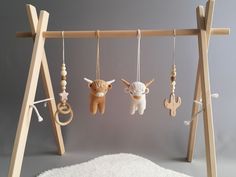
(195, 116)
(138, 55)
(173, 54)
(63, 48)
(40, 118)
(98, 57)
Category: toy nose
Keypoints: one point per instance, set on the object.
(100, 94)
(136, 97)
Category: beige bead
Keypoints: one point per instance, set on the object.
(63, 67)
(63, 83)
(63, 72)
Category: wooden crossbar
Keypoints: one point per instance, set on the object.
(124, 33)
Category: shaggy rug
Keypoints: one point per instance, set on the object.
(117, 165)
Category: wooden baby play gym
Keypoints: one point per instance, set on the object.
(39, 65)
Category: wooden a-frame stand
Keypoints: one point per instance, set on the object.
(39, 65)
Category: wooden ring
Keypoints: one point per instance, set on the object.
(64, 108)
(66, 122)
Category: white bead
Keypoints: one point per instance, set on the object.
(63, 83)
(63, 73)
(63, 68)
(63, 88)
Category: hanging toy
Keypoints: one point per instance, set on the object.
(137, 89)
(98, 87)
(173, 102)
(63, 107)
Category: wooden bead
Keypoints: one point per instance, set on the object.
(63, 77)
(172, 78)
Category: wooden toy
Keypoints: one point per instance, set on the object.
(174, 101)
(63, 107)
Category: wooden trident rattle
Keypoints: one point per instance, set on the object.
(63, 107)
(174, 101)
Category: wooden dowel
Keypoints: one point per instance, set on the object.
(124, 33)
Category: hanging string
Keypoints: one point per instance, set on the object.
(98, 57)
(173, 54)
(138, 55)
(63, 48)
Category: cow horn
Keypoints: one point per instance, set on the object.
(149, 83)
(125, 82)
(88, 80)
(110, 82)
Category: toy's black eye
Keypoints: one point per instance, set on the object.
(131, 92)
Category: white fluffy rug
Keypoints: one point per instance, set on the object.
(117, 165)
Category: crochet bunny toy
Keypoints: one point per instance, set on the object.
(99, 88)
(137, 91)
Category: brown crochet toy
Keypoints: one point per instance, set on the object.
(99, 88)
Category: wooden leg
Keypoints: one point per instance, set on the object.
(194, 123)
(48, 89)
(30, 91)
(203, 85)
(200, 13)
(47, 84)
(204, 20)
(207, 106)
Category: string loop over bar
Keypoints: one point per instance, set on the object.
(174, 32)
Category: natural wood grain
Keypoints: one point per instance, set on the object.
(47, 83)
(32, 81)
(207, 104)
(124, 33)
(200, 15)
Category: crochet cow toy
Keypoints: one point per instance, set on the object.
(98, 88)
(137, 91)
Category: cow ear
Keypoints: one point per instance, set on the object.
(109, 86)
(146, 90)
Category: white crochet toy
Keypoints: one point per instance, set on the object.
(137, 91)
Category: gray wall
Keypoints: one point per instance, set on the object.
(154, 135)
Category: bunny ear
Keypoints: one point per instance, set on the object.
(88, 80)
(110, 82)
(149, 83)
(125, 82)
